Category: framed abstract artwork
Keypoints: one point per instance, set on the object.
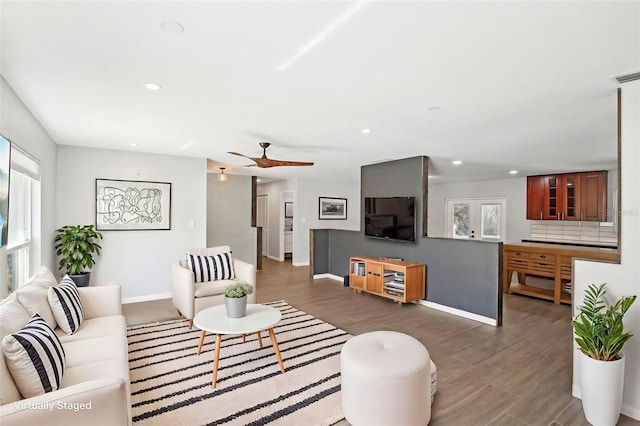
(332, 208)
(128, 205)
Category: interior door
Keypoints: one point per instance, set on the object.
(262, 220)
(480, 219)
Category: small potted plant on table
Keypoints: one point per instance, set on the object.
(76, 245)
(235, 299)
(600, 337)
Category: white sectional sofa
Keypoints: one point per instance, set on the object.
(95, 386)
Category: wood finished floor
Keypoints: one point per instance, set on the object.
(517, 374)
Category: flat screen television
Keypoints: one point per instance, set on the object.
(391, 218)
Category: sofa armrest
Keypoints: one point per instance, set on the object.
(101, 301)
(95, 402)
(246, 272)
(183, 290)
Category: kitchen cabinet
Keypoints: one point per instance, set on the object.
(567, 196)
(593, 201)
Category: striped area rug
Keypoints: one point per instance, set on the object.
(171, 385)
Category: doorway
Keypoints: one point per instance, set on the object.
(476, 218)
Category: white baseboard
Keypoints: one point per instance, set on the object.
(331, 276)
(277, 259)
(300, 264)
(459, 312)
(146, 298)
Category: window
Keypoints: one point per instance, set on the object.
(24, 194)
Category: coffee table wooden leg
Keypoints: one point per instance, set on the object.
(276, 348)
(202, 333)
(259, 338)
(216, 358)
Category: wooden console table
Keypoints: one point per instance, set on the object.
(400, 281)
(546, 260)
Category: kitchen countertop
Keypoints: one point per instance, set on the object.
(567, 250)
(566, 243)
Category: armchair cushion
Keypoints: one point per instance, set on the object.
(35, 358)
(212, 288)
(211, 268)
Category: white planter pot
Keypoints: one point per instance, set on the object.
(602, 386)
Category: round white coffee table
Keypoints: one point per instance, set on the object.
(258, 318)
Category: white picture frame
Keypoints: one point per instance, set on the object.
(128, 205)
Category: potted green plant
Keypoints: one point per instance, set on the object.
(600, 335)
(235, 299)
(76, 245)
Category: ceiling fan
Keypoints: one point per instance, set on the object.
(265, 162)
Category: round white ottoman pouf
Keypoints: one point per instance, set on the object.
(385, 380)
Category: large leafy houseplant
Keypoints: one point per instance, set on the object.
(599, 330)
(76, 246)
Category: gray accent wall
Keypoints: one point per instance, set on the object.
(229, 216)
(464, 275)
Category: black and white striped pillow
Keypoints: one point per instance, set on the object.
(35, 358)
(66, 306)
(211, 268)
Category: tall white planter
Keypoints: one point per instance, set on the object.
(602, 386)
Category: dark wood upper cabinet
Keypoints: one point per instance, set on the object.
(593, 199)
(535, 197)
(568, 196)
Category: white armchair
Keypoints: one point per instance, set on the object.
(190, 297)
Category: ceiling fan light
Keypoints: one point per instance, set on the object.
(222, 177)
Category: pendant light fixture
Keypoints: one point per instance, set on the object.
(222, 177)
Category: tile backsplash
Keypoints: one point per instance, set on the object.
(601, 233)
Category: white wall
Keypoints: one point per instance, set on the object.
(622, 279)
(137, 260)
(229, 216)
(513, 190)
(20, 126)
(305, 212)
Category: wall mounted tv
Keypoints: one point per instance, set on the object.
(391, 218)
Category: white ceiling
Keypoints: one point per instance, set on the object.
(499, 85)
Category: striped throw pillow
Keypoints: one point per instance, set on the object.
(35, 358)
(211, 268)
(66, 306)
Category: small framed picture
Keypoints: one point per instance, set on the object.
(332, 208)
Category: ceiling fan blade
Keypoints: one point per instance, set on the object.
(268, 162)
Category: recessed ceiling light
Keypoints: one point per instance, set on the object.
(456, 162)
(434, 108)
(133, 144)
(513, 172)
(366, 130)
(172, 27)
(152, 86)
